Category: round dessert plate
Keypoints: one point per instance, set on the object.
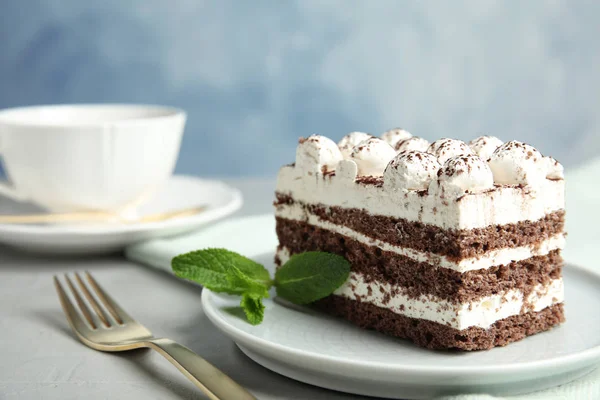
(312, 347)
(179, 193)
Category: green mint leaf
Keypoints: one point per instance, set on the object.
(310, 276)
(253, 308)
(239, 279)
(221, 270)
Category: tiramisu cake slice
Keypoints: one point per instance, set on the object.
(452, 245)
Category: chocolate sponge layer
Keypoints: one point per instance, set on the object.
(437, 336)
(419, 278)
(455, 244)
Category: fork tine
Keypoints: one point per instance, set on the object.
(115, 310)
(71, 313)
(99, 310)
(85, 310)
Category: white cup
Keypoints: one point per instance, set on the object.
(88, 157)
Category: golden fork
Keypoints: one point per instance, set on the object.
(107, 327)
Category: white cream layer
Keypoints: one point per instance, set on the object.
(491, 258)
(498, 207)
(480, 313)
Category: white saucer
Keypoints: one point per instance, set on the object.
(329, 352)
(180, 192)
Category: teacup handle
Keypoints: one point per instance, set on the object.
(6, 189)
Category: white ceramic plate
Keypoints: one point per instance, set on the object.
(314, 348)
(180, 192)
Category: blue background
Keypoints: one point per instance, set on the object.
(255, 76)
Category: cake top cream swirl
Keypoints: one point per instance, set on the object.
(465, 173)
(372, 156)
(465, 192)
(518, 163)
(350, 140)
(411, 170)
(317, 154)
(485, 145)
(412, 143)
(446, 148)
(393, 136)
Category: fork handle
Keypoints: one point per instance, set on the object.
(212, 381)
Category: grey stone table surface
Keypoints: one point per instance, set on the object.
(41, 359)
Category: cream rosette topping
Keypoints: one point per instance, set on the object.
(466, 173)
(554, 169)
(411, 170)
(372, 156)
(446, 148)
(350, 140)
(516, 163)
(414, 143)
(484, 146)
(317, 154)
(393, 136)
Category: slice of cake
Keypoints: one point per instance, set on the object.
(452, 245)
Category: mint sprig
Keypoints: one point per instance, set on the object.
(222, 271)
(310, 276)
(253, 308)
(303, 279)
